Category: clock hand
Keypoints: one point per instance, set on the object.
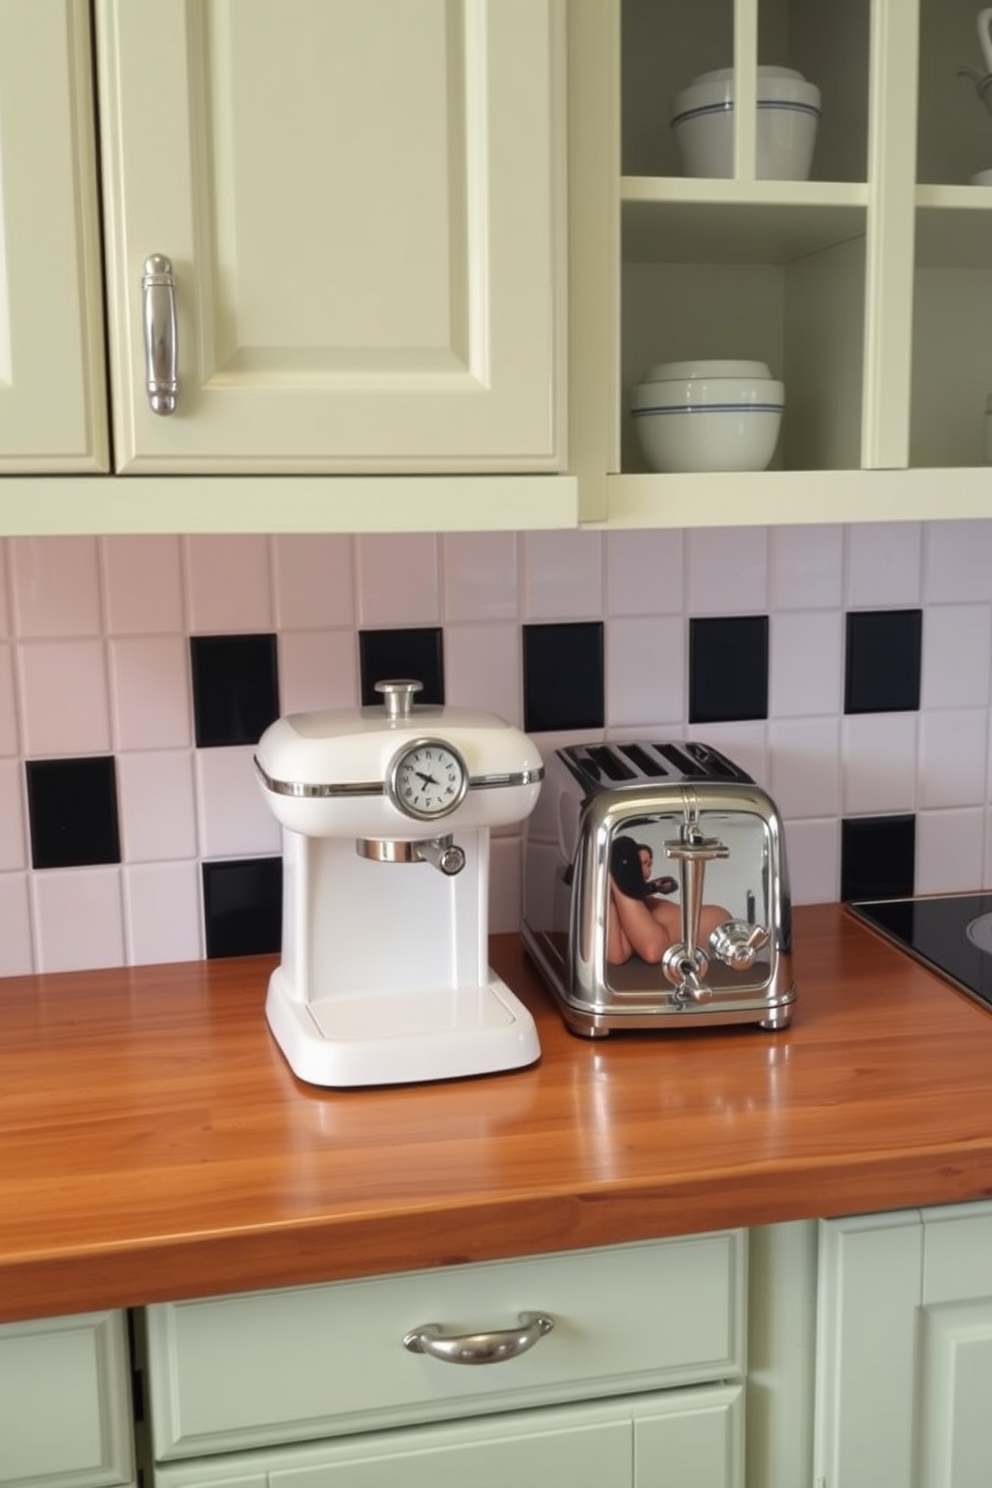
(427, 779)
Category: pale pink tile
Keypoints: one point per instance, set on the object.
(480, 575)
(143, 584)
(8, 705)
(879, 763)
(726, 570)
(957, 656)
(317, 669)
(13, 826)
(807, 567)
(233, 815)
(804, 775)
(313, 576)
(16, 953)
(5, 617)
(949, 851)
(644, 572)
(399, 579)
(953, 757)
(958, 562)
(79, 923)
(483, 669)
(228, 585)
(150, 689)
(884, 564)
(806, 663)
(64, 697)
(563, 575)
(645, 671)
(55, 584)
(157, 805)
(813, 854)
(505, 884)
(162, 913)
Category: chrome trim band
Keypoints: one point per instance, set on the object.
(305, 791)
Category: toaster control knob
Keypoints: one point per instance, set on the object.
(737, 943)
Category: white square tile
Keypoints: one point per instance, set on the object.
(143, 584)
(228, 585)
(13, 825)
(505, 885)
(482, 668)
(16, 953)
(398, 578)
(949, 851)
(5, 616)
(806, 663)
(884, 564)
(957, 656)
(953, 764)
(813, 852)
(233, 816)
(162, 913)
(480, 575)
(562, 575)
(645, 671)
(8, 706)
(78, 918)
(645, 572)
(726, 570)
(317, 669)
(64, 697)
(807, 567)
(151, 692)
(804, 776)
(55, 585)
(157, 806)
(314, 580)
(879, 762)
(958, 562)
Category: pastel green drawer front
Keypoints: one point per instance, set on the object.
(258, 1369)
(65, 1411)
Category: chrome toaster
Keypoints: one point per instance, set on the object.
(656, 890)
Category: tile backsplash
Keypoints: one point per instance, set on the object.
(848, 668)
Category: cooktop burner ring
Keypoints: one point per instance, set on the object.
(979, 932)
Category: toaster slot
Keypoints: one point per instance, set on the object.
(602, 761)
(649, 766)
(683, 762)
(714, 763)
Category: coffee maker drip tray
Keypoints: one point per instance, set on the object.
(949, 933)
(399, 1037)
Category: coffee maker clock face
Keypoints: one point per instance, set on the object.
(428, 779)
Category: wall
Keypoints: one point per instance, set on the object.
(135, 817)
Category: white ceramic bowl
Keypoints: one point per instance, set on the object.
(707, 424)
(788, 115)
(676, 371)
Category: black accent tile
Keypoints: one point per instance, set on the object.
(242, 907)
(883, 661)
(563, 676)
(235, 688)
(416, 652)
(72, 812)
(728, 668)
(877, 857)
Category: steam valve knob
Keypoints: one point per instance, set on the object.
(736, 943)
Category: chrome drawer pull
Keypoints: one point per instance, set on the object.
(479, 1348)
(158, 292)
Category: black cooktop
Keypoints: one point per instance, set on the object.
(949, 933)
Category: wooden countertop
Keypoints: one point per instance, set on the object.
(155, 1145)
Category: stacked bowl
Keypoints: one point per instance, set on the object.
(708, 415)
(788, 115)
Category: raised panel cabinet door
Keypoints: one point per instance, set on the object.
(65, 1405)
(361, 205)
(53, 414)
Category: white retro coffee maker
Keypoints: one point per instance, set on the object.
(386, 813)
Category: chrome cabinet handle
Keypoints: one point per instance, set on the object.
(158, 292)
(479, 1348)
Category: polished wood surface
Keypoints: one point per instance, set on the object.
(155, 1145)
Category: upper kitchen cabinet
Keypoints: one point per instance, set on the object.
(333, 235)
(865, 283)
(52, 378)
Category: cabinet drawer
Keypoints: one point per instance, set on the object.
(252, 1370)
(65, 1404)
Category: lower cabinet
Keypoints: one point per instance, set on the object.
(904, 1350)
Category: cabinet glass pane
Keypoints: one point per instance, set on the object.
(955, 110)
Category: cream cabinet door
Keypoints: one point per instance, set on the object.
(52, 377)
(360, 203)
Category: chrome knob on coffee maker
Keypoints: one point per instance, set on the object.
(684, 963)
